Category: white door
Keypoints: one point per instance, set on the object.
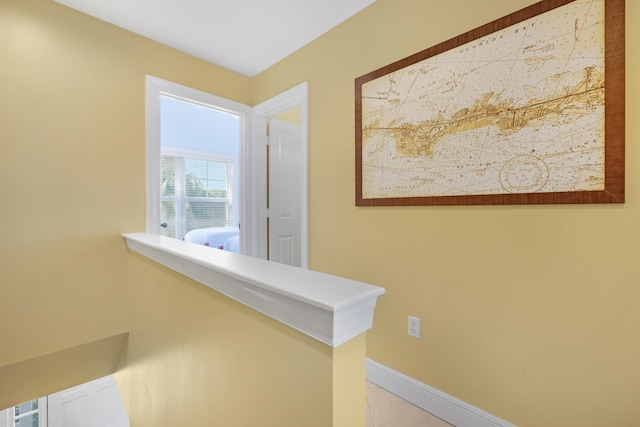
(285, 192)
(94, 404)
(279, 107)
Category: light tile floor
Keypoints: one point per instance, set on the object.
(385, 409)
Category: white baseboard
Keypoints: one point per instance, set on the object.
(440, 404)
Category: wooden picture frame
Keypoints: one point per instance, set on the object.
(534, 124)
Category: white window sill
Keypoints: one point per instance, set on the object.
(330, 309)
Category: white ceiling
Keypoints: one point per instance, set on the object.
(245, 36)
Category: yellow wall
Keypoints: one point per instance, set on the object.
(528, 312)
(72, 180)
(292, 115)
(72, 174)
(198, 358)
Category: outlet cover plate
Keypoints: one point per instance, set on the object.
(414, 327)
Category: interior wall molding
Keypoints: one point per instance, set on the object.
(329, 308)
(442, 405)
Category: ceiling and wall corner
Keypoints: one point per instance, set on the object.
(246, 36)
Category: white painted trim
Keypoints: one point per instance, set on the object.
(155, 88)
(200, 155)
(7, 417)
(331, 309)
(442, 405)
(294, 97)
(97, 402)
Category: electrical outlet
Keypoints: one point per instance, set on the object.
(414, 327)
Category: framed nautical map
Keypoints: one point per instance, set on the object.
(514, 112)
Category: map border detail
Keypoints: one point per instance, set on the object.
(614, 116)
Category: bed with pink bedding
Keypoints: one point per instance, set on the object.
(225, 238)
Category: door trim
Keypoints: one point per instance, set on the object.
(294, 97)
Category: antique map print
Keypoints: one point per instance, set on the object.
(520, 110)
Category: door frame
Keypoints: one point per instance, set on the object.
(294, 97)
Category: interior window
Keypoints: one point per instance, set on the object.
(198, 161)
(28, 414)
(197, 191)
(194, 143)
(215, 197)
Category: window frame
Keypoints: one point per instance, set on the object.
(41, 411)
(182, 197)
(157, 88)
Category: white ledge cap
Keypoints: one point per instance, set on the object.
(328, 308)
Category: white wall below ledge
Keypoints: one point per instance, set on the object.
(331, 309)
